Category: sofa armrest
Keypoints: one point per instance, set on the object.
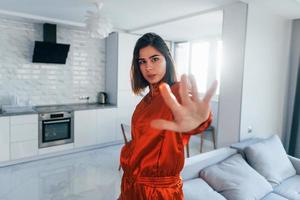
(195, 164)
(296, 163)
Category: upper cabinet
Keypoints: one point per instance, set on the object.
(119, 47)
(126, 43)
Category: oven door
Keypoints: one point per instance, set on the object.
(56, 132)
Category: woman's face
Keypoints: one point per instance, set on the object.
(152, 64)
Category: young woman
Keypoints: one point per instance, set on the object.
(161, 123)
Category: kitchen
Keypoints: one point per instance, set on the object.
(66, 117)
(73, 100)
(53, 111)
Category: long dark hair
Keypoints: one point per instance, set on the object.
(138, 83)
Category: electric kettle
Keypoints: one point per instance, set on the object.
(102, 98)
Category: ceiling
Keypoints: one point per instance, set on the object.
(174, 19)
(289, 9)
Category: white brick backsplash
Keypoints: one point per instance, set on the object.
(42, 84)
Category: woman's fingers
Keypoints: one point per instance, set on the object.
(194, 89)
(184, 90)
(169, 97)
(210, 92)
(162, 124)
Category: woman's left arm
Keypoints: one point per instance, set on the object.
(192, 114)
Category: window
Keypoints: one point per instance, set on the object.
(203, 59)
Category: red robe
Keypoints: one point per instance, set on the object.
(153, 159)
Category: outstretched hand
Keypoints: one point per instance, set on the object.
(191, 112)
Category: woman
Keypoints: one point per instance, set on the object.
(161, 123)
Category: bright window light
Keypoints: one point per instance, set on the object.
(203, 59)
(219, 63)
(182, 58)
(199, 64)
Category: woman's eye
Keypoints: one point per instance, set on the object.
(155, 59)
(141, 62)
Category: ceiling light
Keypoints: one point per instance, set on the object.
(97, 25)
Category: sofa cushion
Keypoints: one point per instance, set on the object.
(198, 189)
(236, 180)
(274, 196)
(290, 188)
(269, 158)
(194, 164)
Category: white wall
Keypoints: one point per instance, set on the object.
(230, 97)
(265, 72)
(38, 83)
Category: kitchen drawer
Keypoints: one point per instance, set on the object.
(23, 119)
(24, 149)
(23, 132)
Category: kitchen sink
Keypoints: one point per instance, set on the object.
(17, 109)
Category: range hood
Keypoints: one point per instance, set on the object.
(48, 51)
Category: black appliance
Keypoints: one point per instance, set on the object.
(56, 128)
(48, 51)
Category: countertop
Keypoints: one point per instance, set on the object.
(24, 110)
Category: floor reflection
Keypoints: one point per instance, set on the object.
(89, 175)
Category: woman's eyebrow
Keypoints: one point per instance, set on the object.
(153, 56)
(149, 57)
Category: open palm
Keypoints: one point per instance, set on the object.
(191, 112)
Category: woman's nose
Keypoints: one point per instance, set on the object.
(149, 65)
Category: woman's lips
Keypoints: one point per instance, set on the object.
(152, 76)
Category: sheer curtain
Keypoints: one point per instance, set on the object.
(291, 127)
(294, 143)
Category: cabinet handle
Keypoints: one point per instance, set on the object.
(57, 121)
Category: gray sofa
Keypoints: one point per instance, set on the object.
(258, 169)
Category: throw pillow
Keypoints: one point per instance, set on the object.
(235, 179)
(269, 158)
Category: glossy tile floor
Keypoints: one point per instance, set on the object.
(89, 175)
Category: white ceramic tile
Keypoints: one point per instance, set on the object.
(85, 175)
(88, 175)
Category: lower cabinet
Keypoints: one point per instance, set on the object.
(4, 139)
(85, 128)
(24, 149)
(106, 125)
(23, 136)
(94, 126)
(19, 134)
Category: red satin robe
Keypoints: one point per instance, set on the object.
(153, 159)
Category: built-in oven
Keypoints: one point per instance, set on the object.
(56, 128)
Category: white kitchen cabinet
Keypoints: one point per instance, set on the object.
(24, 149)
(118, 63)
(4, 139)
(24, 119)
(23, 136)
(118, 86)
(126, 43)
(23, 132)
(106, 125)
(85, 128)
